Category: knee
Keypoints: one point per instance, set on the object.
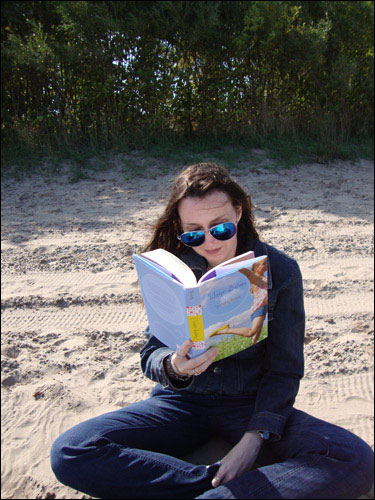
(66, 457)
(59, 461)
(365, 466)
(71, 453)
(358, 464)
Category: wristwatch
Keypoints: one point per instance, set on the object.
(265, 435)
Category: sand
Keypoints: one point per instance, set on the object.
(73, 319)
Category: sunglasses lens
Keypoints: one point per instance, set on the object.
(193, 239)
(224, 231)
(220, 232)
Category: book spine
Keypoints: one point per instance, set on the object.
(195, 317)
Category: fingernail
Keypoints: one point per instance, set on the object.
(214, 466)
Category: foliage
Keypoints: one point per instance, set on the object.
(97, 73)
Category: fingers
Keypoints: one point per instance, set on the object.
(216, 481)
(183, 350)
(240, 459)
(179, 363)
(195, 366)
(201, 363)
(223, 475)
(203, 367)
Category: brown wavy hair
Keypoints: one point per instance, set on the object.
(197, 181)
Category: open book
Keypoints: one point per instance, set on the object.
(226, 308)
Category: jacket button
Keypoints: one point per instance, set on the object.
(217, 370)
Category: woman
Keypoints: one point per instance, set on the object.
(247, 399)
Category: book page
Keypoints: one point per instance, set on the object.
(165, 271)
(239, 258)
(224, 267)
(164, 301)
(220, 271)
(173, 265)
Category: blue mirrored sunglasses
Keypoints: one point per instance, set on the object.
(220, 232)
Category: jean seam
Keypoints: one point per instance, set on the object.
(287, 474)
(282, 418)
(160, 463)
(128, 426)
(146, 458)
(186, 473)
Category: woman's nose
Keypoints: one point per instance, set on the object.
(209, 239)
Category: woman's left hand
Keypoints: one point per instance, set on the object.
(240, 459)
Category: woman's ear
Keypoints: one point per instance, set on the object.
(239, 213)
(178, 225)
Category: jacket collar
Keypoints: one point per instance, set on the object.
(198, 264)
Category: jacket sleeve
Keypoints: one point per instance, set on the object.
(153, 354)
(284, 363)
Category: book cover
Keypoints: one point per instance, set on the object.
(227, 310)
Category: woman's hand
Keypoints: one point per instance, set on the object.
(240, 459)
(185, 366)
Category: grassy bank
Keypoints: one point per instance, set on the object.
(157, 155)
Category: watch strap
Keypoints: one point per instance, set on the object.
(170, 370)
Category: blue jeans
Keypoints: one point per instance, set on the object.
(136, 452)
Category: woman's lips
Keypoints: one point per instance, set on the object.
(213, 252)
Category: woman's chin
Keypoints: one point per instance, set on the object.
(215, 258)
(219, 255)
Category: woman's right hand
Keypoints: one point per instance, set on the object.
(194, 366)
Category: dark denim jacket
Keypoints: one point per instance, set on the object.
(268, 373)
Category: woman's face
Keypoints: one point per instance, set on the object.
(204, 213)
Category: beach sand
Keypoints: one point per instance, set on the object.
(73, 319)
